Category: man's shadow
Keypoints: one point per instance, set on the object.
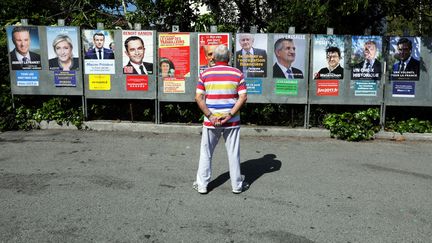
(251, 169)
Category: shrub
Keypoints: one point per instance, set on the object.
(357, 126)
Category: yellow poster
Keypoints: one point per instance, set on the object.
(99, 82)
(174, 85)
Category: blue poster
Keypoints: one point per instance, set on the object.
(27, 78)
(403, 89)
(254, 86)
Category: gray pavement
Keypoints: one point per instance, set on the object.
(136, 186)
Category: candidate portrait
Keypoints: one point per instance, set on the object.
(21, 56)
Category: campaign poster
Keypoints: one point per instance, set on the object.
(174, 48)
(138, 52)
(365, 88)
(98, 53)
(27, 78)
(327, 88)
(404, 57)
(63, 49)
(100, 82)
(136, 82)
(207, 44)
(289, 54)
(24, 47)
(403, 89)
(286, 87)
(328, 53)
(251, 54)
(366, 57)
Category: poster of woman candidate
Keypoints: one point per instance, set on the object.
(404, 58)
(63, 49)
(24, 47)
(176, 48)
(98, 57)
(289, 55)
(207, 44)
(251, 54)
(328, 52)
(138, 52)
(366, 57)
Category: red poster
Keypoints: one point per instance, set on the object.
(327, 87)
(207, 43)
(137, 82)
(175, 48)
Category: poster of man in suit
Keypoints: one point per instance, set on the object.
(366, 57)
(138, 52)
(98, 57)
(251, 54)
(289, 56)
(24, 47)
(405, 58)
(328, 53)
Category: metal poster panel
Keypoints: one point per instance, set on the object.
(45, 60)
(98, 57)
(24, 47)
(251, 54)
(133, 76)
(174, 49)
(328, 53)
(409, 71)
(207, 44)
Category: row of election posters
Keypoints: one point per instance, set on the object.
(287, 56)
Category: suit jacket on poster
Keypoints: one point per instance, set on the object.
(413, 65)
(18, 66)
(278, 73)
(129, 69)
(258, 52)
(107, 54)
(376, 66)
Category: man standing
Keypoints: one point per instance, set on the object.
(333, 70)
(21, 56)
(135, 50)
(285, 54)
(406, 61)
(99, 51)
(220, 93)
(251, 61)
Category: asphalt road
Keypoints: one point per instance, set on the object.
(87, 186)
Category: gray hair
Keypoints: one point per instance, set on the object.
(221, 54)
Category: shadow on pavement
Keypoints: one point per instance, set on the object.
(251, 169)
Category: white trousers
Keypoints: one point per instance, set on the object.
(209, 140)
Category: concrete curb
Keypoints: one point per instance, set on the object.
(246, 130)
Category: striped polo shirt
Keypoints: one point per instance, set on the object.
(221, 86)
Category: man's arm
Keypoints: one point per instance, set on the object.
(236, 108)
(200, 100)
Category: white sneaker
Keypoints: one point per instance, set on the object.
(199, 190)
(243, 188)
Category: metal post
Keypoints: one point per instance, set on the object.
(291, 30)
(24, 22)
(213, 28)
(137, 26)
(330, 31)
(100, 26)
(60, 22)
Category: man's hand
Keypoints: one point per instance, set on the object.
(225, 118)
